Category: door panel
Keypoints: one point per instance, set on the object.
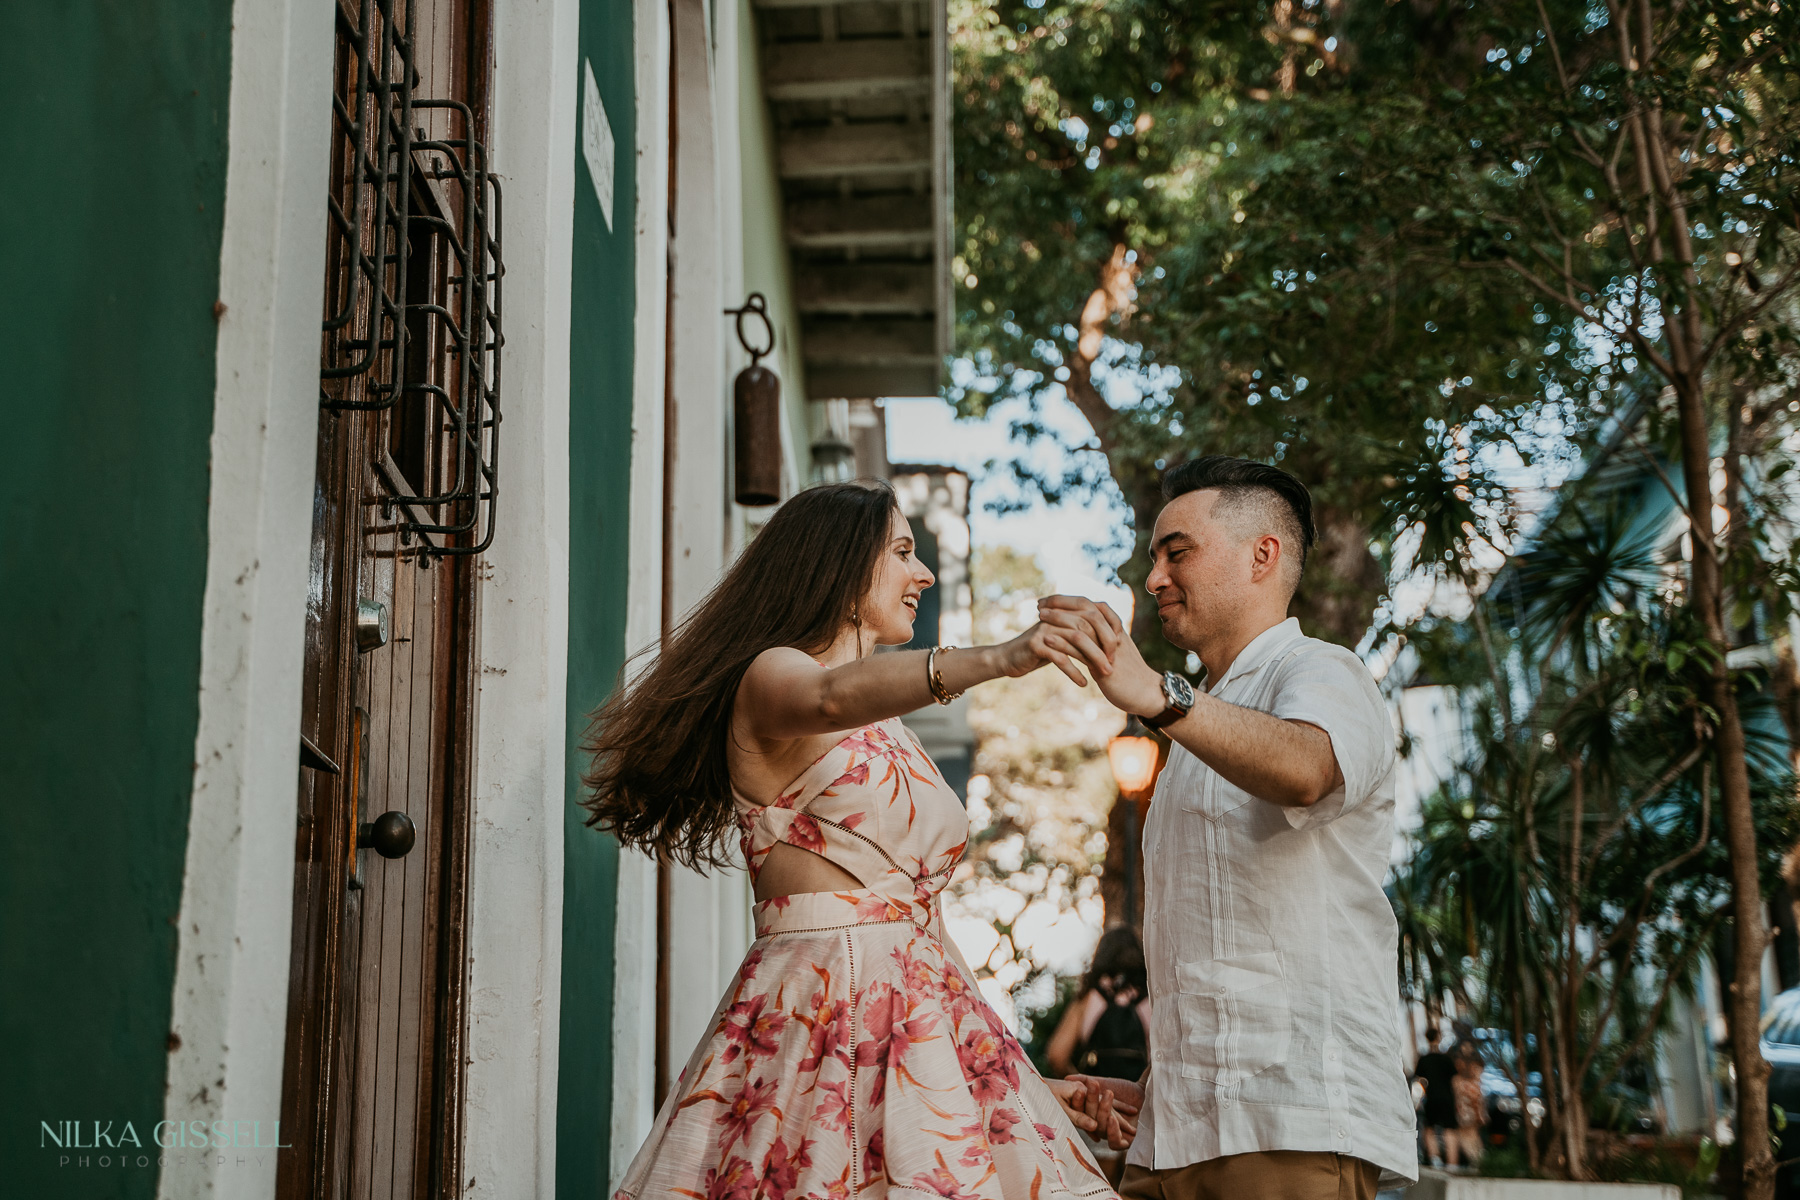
(402, 505)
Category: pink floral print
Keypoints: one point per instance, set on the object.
(853, 1056)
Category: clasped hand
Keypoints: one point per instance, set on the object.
(1125, 679)
(1068, 638)
(1106, 1108)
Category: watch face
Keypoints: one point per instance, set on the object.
(1178, 691)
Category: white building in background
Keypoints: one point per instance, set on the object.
(936, 500)
(851, 443)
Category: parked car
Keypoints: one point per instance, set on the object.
(1780, 1043)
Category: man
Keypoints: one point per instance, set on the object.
(1437, 1071)
(1275, 1061)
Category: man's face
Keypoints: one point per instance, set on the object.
(1199, 569)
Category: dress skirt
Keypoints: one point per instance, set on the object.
(852, 1056)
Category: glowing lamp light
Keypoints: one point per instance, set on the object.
(1132, 756)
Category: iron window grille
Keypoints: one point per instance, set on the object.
(412, 331)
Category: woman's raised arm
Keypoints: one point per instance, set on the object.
(787, 695)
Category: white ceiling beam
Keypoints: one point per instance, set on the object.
(847, 70)
(831, 151)
(828, 3)
(832, 383)
(882, 341)
(864, 223)
(865, 289)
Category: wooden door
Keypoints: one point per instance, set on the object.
(403, 505)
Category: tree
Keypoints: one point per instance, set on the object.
(1636, 171)
(1388, 244)
(1142, 204)
(1571, 873)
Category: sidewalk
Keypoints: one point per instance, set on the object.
(1442, 1185)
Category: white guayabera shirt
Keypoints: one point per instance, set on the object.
(1271, 946)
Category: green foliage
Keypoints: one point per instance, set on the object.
(1570, 875)
(1505, 1162)
(1396, 247)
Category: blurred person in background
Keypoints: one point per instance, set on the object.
(1437, 1071)
(1105, 1030)
(1471, 1110)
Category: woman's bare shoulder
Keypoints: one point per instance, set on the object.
(782, 659)
(778, 667)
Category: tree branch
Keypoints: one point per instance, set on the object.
(1675, 771)
(1114, 297)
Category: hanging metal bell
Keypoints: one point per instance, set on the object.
(757, 397)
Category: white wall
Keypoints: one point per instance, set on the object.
(231, 973)
(634, 957)
(516, 856)
(710, 918)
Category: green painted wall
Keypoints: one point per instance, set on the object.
(115, 145)
(600, 372)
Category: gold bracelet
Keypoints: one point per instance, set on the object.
(935, 680)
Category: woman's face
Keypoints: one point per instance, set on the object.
(892, 603)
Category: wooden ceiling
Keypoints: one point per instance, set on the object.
(859, 90)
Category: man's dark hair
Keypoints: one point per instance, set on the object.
(1238, 481)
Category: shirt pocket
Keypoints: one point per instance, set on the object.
(1235, 1017)
(1215, 798)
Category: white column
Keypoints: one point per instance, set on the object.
(634, 956)
(231, 973)
(709, 913)
(516, 857)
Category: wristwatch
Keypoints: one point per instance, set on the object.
(1178, 701)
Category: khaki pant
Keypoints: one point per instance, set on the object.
(1265, 1175)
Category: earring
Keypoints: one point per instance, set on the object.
(855, 619)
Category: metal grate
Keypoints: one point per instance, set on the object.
(412, 334)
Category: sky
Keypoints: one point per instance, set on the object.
(927, 431)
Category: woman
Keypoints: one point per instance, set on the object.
(1105, 1030)
(852, 1052)
(1471, 1110)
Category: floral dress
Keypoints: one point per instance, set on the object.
(852, 1056)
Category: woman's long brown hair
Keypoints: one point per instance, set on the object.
(658, 780)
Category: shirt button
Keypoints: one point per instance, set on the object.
(1337, 1091)
(1341, 1133)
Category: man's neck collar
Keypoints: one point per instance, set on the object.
(1254, 653)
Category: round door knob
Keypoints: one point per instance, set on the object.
(371, 625)
(390, 835)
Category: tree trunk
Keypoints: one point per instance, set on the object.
(1343, 581)
(1574, 1123)
(1114, 299)
(1575, 1135)
(1744, 996)
(1522, 1083)
(1553, 1107)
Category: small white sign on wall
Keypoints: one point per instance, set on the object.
(597, 141)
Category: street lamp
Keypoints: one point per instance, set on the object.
(1133, 757)
(834, 459)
